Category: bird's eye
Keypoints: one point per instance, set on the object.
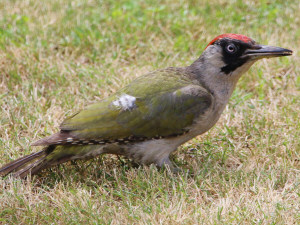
(231, 48)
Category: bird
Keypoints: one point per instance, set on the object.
(153, 115)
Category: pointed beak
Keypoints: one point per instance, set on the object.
(265, 51)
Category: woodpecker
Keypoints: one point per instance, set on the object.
(153, 115)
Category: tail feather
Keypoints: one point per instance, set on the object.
(32, 167)
(25, 165)
(49, 156)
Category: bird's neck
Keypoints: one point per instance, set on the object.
(207, 71)
(210, 76)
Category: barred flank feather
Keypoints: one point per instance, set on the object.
(29, 164)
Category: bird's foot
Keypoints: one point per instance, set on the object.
(166, 164)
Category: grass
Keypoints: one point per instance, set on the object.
(58, 56)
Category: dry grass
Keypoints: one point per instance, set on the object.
(58, 56)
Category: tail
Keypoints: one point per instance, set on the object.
(49, 156)
(29, 164)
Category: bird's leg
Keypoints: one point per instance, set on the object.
(167, 164)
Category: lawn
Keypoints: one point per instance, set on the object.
(58, 56)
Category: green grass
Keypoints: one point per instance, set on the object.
(58, 56)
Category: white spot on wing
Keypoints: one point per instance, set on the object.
(125, 102)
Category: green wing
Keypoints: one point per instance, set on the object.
(165, 104)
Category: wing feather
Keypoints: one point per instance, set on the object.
(165, 104)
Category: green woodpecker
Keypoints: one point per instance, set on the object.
(153, 115)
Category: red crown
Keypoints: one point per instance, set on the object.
(231, 36)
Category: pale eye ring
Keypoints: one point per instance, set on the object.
(231, 48)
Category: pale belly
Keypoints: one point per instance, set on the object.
(158, 151)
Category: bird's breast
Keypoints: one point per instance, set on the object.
(207, 120)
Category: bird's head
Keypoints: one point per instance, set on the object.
(233, 54)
